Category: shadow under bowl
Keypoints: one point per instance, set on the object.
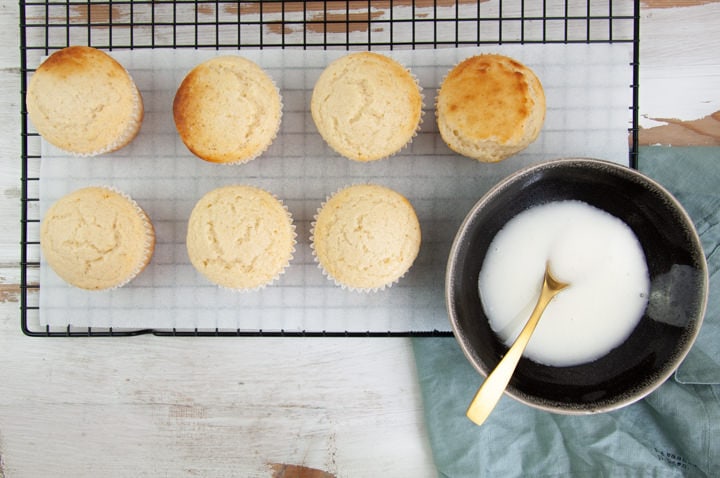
(678, 285)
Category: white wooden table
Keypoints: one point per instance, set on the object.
(150, 406)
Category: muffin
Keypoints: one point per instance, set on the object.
(490, 107)
(240, 237)
(227, 110)
(84, 102)
(366, 237)
(96, 238)
(366, 106)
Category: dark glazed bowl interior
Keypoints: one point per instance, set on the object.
(678, 291)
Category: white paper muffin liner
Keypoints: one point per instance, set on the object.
(420, 120)
(422, 111)
(282, 271)
(272, 139)
(366, 290)
(412, 137)
(149, 240)
(131, 129)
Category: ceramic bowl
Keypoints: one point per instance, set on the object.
(678, 290)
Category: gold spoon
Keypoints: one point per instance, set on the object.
(495, 384)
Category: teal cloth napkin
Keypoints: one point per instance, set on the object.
(675, 431)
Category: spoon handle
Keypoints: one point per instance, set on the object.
(495, 384)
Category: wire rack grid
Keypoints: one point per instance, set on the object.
(48, 26)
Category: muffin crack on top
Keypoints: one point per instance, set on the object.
(79, 240)
(367, 103)
(237, 264)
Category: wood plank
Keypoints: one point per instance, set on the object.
(702, 132)
(147, 405)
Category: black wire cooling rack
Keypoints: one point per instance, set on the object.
(350, 25)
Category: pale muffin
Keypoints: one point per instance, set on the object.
(366, 237)
(240, 237)
(227, 110)
(490, 107)
(96, 238)
(83, 101)
(366, 106)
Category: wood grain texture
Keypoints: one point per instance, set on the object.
(680, 71)
(342, 16)
(149, 406)
(674, 3)
(701, 132)
(281, 470)
(9, 292)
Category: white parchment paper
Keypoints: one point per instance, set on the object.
(588, 94)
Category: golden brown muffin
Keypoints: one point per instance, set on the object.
(227, 110)
(366, 237)
(83, 101)
(240, 237)
(490, 107)
(97, 238)
(366, 106)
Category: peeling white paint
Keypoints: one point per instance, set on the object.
(673, 51)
